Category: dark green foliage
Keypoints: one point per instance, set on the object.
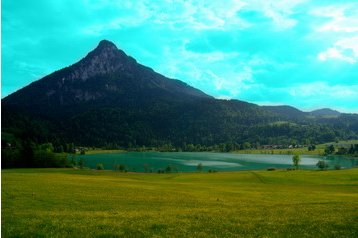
(160, 171)
(199, 167)
(99, 167)
(296, 159)
(146, 168)
(82, 151)
(133, 107)
(120, 167)
(329, 150)
(168, 169)
(311, 147)
(212, 171)
(81, 162)
(353, 150)
(322, 165)
(337, 167)
(30, 155)
(47, 159)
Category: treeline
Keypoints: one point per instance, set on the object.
(222, 147)
(27, 154)
(351, 150)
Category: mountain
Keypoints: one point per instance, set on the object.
(325, 112)
(108, 98)
(286, 112)
(106, 76)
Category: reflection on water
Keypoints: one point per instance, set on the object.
(214, 163)
(187, 161)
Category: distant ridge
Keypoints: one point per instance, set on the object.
(325, 112)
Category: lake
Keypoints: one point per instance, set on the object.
(188, 161)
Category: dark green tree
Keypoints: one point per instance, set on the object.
(199, 167)
(322, 165)
(296, 159)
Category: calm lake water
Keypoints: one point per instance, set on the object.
(188, 161)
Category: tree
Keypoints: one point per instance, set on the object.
(99, 167)
(121, 167)
(168, 169)
(311, 148)
(296, 159)
(146, 168)
(199, 167)
(321, 164)
(246, 145)
(48, 147)
(329, 150)
(81, 163)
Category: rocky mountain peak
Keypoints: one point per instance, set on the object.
(105, 58)
(106, 44)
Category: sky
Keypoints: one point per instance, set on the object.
(291, 52)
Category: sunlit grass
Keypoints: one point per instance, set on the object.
(75, 203)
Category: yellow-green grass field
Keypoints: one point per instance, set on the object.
(85, 203)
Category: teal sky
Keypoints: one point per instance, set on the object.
(270, 52)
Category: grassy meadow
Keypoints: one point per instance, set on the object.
(87, 203)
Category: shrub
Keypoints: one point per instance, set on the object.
(168, 169)
(337, 167)
(46, 159)
(212, 171)
(199, 167)
(99, 167)
(122, 167)
(271, 169)
(322, 165)
(81, 163)
(296, 159)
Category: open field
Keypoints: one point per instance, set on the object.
(75, 203)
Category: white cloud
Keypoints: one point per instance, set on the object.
(324, 91)
(279, 11)
(192, 14)
(341, 27)
(342, 18)
(345, 49)
(205, 69)
(333, 53)
(200, 15)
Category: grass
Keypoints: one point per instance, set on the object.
(347, 142)
(86, 203)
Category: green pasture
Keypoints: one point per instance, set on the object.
(88, 203)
